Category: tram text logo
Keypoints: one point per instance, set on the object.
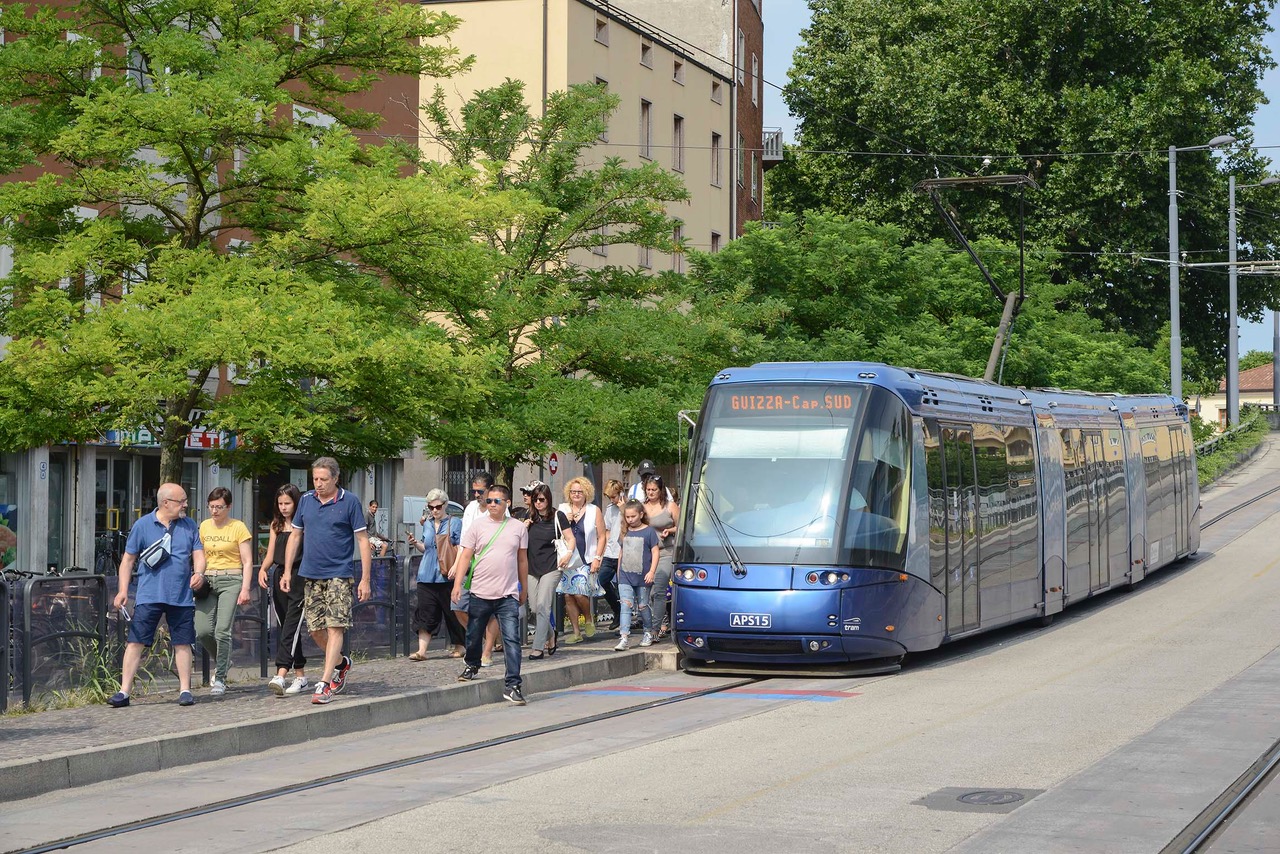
(750, 621)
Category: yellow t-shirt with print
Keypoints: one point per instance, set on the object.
(222, 545)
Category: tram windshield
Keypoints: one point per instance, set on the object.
(812, 474)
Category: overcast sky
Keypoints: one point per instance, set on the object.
(783, 20)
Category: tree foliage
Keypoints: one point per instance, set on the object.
(843, 289)
(595, 359)
(196, 228)
(1051, 90)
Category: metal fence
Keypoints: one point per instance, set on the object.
(6, 648)
(63, 634)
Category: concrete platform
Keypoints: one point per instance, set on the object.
(53, 750)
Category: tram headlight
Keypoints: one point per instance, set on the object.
(832, 578)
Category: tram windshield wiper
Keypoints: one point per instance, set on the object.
(718, 526)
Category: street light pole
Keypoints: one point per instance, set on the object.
(1233, 325)
(1175, 308)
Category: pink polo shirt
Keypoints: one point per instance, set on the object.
(497, 573)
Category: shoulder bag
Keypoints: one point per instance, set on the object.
(562, 548)
(446, 551)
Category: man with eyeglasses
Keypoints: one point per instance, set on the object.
(165, 546)
(481, 482)
(495, 569)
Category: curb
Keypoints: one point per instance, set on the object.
(27, 778)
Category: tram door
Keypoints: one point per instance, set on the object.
(1179, 453)
(1099, 550)
(962, 541)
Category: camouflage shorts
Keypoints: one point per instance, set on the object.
(328, 603)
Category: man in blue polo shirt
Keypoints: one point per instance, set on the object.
(165, 547)
(332, 522)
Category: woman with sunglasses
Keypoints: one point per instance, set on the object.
(440, 536)
(545, 524)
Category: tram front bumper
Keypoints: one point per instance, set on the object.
(785, 648)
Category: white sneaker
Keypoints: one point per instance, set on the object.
(623, 643)
(298, 685)
(218, 688)
(647, 640)
(276, 685)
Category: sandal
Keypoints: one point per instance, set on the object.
(417, 656)
(551, 650)
(534, 656)
(455, 654)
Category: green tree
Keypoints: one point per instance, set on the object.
(1255, 359)
(592, 359)
(891, 93)
(173, 260)
(842, 289)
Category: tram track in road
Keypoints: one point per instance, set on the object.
(1204, 828)
(1225, 513)
(372, 770)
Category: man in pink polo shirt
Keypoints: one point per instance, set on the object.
(495, 562)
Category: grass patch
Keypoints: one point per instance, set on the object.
(1253, 427)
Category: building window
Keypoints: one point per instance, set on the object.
(95, 71)
(717, 95)
(741, 56)
(755, 80)
(604, 135)
(677, 255)
(717, 159)
(677, 144)
(645, 258)
(646, 54)
(715, 241)
(602, 31)
(742, 161)
(677, 72)
(755, 176)
(646, 129)
(600, 246)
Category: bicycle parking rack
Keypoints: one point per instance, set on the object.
(383, 575)
(4, 645)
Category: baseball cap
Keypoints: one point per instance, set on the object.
(646, 467)
(531, 486)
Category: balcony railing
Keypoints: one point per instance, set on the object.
(772, 145)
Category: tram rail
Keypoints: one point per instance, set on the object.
(1202, 830)
(369, 770)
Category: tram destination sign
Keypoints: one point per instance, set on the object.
(811, 400)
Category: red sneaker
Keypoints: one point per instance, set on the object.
(322, 695)
(340, 675)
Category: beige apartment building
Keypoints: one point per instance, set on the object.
(675, 107)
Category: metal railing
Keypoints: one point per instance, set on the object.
(1211, 445)
(5, 646)
(771, 140)
(56, 610)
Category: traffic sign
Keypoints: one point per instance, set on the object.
(553, 463)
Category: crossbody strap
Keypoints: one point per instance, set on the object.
(475, 560)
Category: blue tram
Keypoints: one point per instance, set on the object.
(838, 516)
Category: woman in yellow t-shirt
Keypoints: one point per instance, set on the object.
(228, 571)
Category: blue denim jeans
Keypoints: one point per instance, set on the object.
(633, 597)
(507, 611)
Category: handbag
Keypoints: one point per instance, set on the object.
(563, 548)
(155, 554)
(446, 551)
(203, 591)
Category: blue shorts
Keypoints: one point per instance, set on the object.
(462, 604)
(181, 620)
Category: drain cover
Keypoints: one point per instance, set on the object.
(957, 799)
(990, 798)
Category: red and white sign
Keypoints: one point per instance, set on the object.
(553, 464)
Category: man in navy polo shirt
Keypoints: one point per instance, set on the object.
(332, 522)
(165, 546)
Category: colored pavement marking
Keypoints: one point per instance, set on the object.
(779, 694)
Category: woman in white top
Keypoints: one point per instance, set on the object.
(587, 523)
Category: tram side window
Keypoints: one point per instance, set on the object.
(937, 505)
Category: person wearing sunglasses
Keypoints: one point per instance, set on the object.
(495, 554)
(441, 534)
(481, 482)
(545, 525)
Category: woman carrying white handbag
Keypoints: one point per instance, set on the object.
(551, 548)
(579, 585)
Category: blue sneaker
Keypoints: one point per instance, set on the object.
(118, 700)
(185, 699)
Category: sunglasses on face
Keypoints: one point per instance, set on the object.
(435, 506)
(540, 498)
(477, 492)
(495, 501)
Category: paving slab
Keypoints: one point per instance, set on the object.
(50, 750)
